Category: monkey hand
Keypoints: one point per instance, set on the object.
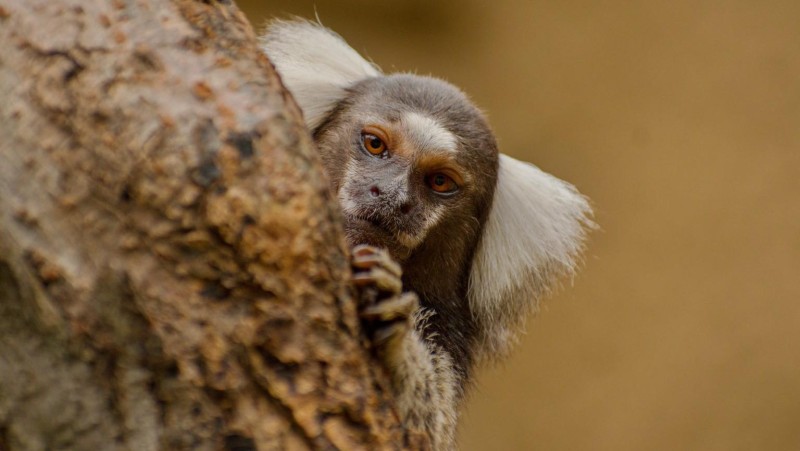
(386, 311)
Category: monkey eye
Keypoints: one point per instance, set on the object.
(441, 183)
(373, 144)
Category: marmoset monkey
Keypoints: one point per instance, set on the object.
(458, 240)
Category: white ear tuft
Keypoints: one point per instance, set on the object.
(534, 234)
(315, 64)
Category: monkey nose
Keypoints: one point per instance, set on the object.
(405, 208)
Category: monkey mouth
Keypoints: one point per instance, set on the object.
(369, 230)
(374, 222)
(368, 226)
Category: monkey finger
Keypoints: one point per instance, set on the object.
(396, 308)
(381, 259)
(361, 250)
(380, 278)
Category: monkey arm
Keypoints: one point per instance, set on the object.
(421, 372)
(424, 385)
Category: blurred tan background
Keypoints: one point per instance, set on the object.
(681, 120)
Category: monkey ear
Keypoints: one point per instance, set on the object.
(534, 233)
(315, 64)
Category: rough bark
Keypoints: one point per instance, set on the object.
(172, 268)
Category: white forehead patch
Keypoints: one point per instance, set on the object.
(428, 134)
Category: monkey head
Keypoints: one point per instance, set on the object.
(409, 157)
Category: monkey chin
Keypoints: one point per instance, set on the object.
(362, 231)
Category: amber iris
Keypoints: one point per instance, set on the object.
(441, 183)
(373, 144)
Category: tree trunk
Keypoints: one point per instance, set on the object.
(172, 268)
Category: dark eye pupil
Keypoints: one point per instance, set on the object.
(439, 180)
(375, 143)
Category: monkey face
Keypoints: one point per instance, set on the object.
(409, 157)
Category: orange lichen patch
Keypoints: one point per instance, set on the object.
(202, 91)
(167, 121)
(227, 115)
(222, 61)
(47, 271)
(25, 216)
